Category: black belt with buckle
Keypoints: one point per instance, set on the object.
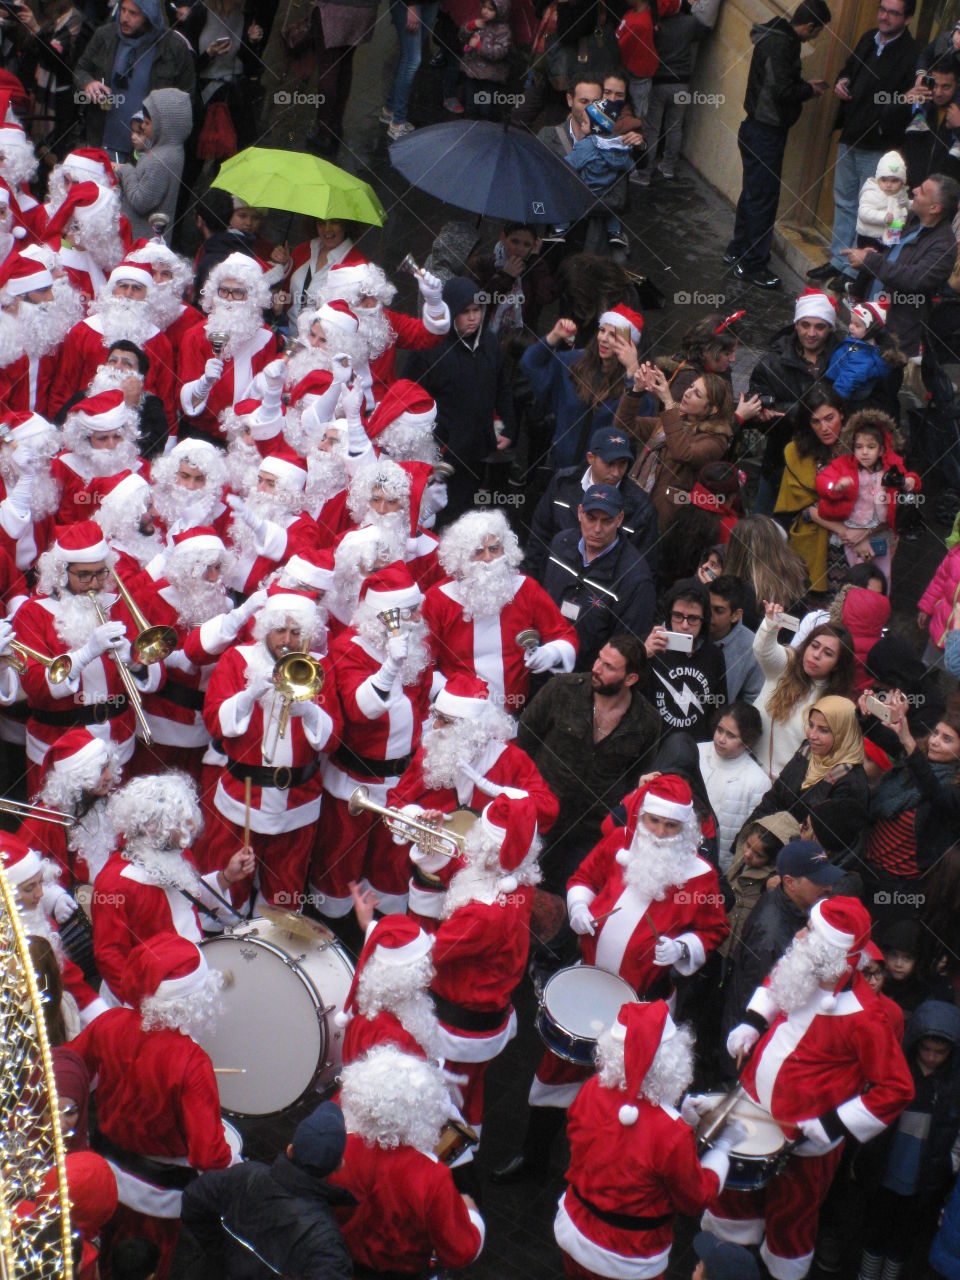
(367, 767)
(283, 777)
(424, 880)
(182, 695)
(461, 1019)
(624, 1221)
(93, 713)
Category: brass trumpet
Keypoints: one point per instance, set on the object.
(153, 644)
(22, 811)
(431, 839)
(126, 679)
(58, 669)
(297, 677)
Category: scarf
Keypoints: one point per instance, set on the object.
(129, 85)
(897, 791)
(841, 715)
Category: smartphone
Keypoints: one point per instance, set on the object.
(878, 708)
(878, 546)
(679, 641)
(789, 622)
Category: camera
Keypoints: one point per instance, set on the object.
(928, 82)
(893, 478)
(767, 401)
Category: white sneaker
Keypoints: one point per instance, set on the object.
(400, 129)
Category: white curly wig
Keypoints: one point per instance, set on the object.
(64, 784)
(382, 474)
(156, 811)
(279, 612)
(196, 453)
(155, 252)
(372, 283)
(52, 571)
(337, 342)
(237, 267)
(192, 1013)
(76, 434)
(669, 1074)
(97, 231)
(466, 535)
(121, 511)
(391, 1099)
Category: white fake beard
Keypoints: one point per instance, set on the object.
(167, 866)
(375, 329)
(477, 882)
(243, 463)
(123, 319)
(93, 838)
(104, 462)
(76, 618)
(165, 304)
(444, 750)
(98, 234)
(198, 600)
(657, 864)
(36, 924)
(326, 477)
(11, 339)
(240, 321)
(668, 1076)
(19, 167)
(371, 630)
(190, 508)
(393, 528)
(304, 360)
(56, 188)
(144, 547)
(44, 325)
(486, 587)
(405, 443)
(797, 976)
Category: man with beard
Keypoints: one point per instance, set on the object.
(464, 759)
(645, 905)
(326, 336)
(171, 279)
(366, 289)
(62, 615)
(151, 885)
(475, 618)
(825, 1064)
(89, 235)
(156, 1089)
(234, 296)
(100, 434)
(383, 677)
(402, 423)
(270, 524)
(30, 493)
(243, 710)
(623, 1225)
(188, 487)
(36, 313)
(119, 311)
(128, 518)
(389, 495)
(18, 169)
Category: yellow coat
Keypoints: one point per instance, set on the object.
(798, 490)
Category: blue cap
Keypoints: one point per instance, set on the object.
(610, 444)
(725, 1261)
(804, 859)
(320, 1141)
(603, 497)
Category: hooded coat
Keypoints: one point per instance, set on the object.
(152, 185)
(776, 90)
(490, 60)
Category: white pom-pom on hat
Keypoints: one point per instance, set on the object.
(628, 1114)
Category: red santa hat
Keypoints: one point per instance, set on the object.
(814, 304)
(24, 427)
(420, 473)
(121, 488)
(13, 95)
(20, 275)
(315, 384)
(202, 538)
(93, 164)
(391, 588)
(871, 313)
(394, 940)
(314, 567)
(405, 403)
(75, 750)
(287, 602)
(166, 966)
(286, 465)
(106, 411)
(349, 273)
(82, 195)
(338, 316)
(621, 315)
(20, 863)
(843, 922)
(669, 796)
(641, 1028)
(512, 823)
(464, 696)
(130, 273)
(81, 543)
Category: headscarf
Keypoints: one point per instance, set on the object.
(841, 715)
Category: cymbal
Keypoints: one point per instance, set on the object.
(297, 925)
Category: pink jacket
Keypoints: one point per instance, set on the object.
(941, 595)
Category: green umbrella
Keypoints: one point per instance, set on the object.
(299, 183)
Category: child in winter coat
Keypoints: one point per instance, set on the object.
(860, 362)
(487, 47)
(637, 52)
(754, 862)
(152, 185)
(605, 155)
(884, 204)
(859, 489)
(937, 604)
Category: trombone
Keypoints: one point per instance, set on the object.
(153, 644)
(431, 839)
(23, 811)
(297, 677)
(58, 669)
(126, 679)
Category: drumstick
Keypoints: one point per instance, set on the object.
(599, 919)
(230, 1071)
(246, 817)
(653, 927)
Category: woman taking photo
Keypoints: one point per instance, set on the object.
(794, 680)
(582, 389)
(823, 785)
(682, 439)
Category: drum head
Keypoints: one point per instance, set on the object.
(585, 1000)
(269, 1027)
(764, 1136)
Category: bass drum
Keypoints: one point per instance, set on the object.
(285, 978)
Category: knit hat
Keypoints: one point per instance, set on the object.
(202, 538)
(76, 749)
(622, 315)
(286, 465)
(130, 273)
(814, 304)
(106, 411)
(391, 588)
(20, 275)
(641, 1028)
(870, 314)
(843, 922)
(320, 1141)
(20, 863)
(464, 696)
(892, 165)
(314, 567)
(81, 543)
(404, 403)
(669, 796)
(395, 940)
(167, 966)
(513, 824)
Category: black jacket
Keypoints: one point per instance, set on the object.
(936, 818)
(687, 688)
(770, 928)
(626, 603)
(873, 119)
(836, 806)
(783, 373)
(557, 510)
(914, 277)
(776, 91)
(282, 1210)
(929, 152)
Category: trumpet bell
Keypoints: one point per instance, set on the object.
(59, 669)
(298, 677)
(154, 645)
(356, 805)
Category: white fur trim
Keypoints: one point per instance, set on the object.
(617, 321)
(815, 306)
(310, 574)
(84, 555)
(86, 164)
(856, 1117)
(450, 705)
(823, 929)
(407, 598)
(30, 865)
(113, 420)
(604, 1262)
(175, 988)
(126, 273)
(744, 1231)
(199, 542)
(284, 470)
(785, 1268)
(662, 808)
(80, 759)
(27, 284)
(628, 1115)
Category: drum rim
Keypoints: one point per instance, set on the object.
(634, 998)
(572, 1035)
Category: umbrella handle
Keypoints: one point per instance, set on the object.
(286, 230)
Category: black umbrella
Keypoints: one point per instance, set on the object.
(494, 170)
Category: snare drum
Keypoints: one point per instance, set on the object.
(761, 1154)
(284, 980)
(577, 1005)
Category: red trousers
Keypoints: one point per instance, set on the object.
(353, 848)
(282, 860)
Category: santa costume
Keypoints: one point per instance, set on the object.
(29, 368)
(477, 614)
(18, 169)
(123, 506)
(171, 278)
(184, 499)
(77, 466)
(271, 525)
(30, 493)
(156, 1089)
(402, 423)
(89, 234)
(404, 486)
(825, 1065)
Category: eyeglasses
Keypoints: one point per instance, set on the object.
(231, 295)
(688, 618)
(86, 576)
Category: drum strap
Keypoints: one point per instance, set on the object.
(171, 1177)
(623, 1221)
(461, 1019)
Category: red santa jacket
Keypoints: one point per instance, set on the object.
(282, 542)
(838, 506)
(178, 329)
(487, 646)
(274, 809)
(84, 351)
(13, 585)
(624, 943)
(91, 835)
(22, 537)
(79, 497)
(412, 335)
(407, 1209)
(238, 373)
(25, 384)
(656, 1174)
(836, 1060)
(175, 712)
(364, 1033)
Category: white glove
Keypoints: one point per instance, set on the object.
(730, 1136)
(581, 919)
(244, 612)
(213, 370)
(341, 370)
(6, 635)
(58, 903)
(351, 402)
(431, 289)
(107, 636)
(695, 1106)
(543, 658)
(273, 373)
(259, 686)
(256, 523)
(434, 499)
(25, 461)
(742, 1039)
(20, 496)
(398, 647)
(816, 1134)
(667, 952)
